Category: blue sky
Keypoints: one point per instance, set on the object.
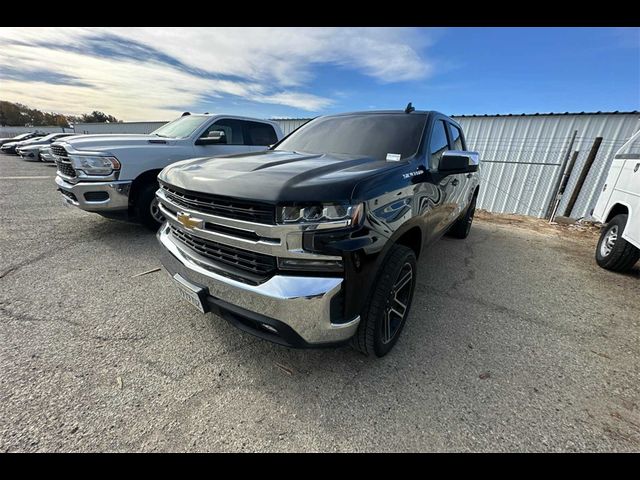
(155, 74)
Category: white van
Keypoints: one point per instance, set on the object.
(618, 207)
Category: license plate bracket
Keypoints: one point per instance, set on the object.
(191, 293)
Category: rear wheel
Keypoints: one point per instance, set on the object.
(614, 252)
(147, 207)
(388, 308)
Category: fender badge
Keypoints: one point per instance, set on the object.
(188, 221)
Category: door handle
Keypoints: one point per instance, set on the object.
(455, 182)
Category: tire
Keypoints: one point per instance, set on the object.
(147, 207)
(462, 226)
(372, 337)
(614, 252)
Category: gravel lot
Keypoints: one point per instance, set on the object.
(517, 340)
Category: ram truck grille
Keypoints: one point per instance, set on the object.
(62, 161)
(244, 260)
(221, 206)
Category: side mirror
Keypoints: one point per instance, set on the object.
(215, 137)
(458, 161)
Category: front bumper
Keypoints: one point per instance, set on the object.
(95, 196)
(28, 154)
(298, 308)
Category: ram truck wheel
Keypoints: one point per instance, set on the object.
(147, 207)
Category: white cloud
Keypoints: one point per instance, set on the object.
(264, 65)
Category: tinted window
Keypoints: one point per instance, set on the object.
(182, 127)
(456, 137)
(438, 144)
(232, 130)
(367, 135)
(260, 133)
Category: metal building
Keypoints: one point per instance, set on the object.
(522, 157)
(288, 125)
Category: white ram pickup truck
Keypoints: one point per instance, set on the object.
(116, 175)
(618, 207)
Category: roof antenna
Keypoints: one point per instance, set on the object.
(185, 114)
(409, 108)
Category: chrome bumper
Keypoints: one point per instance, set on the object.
(302, 303)
(118, 194)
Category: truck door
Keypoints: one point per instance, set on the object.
(436, 218)
(462, 187)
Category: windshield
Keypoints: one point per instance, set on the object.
(631, 148)
(48, 137)
(371, 135)
(182, 127)
(21, 136)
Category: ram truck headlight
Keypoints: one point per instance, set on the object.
(322, 213)
(94, 164)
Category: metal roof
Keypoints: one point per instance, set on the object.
(616, 112)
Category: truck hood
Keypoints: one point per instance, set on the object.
(109, 143)
(276, 176)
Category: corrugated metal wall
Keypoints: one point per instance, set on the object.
(522, 155)
(288, 125)
(124, 127)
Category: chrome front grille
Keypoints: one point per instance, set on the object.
(222, 206)
(58, 150)
(65, 168)
(62, 161)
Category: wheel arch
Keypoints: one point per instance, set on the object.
(619, 208)
(140, 181)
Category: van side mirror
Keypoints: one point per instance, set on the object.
(458, 161)
(215, 137)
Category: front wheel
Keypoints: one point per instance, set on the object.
(388, 308)
(147, 207)
(614, 252)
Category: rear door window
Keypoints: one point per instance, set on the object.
(257, 133)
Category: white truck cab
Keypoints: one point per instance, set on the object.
(618, 207)
(116, 175)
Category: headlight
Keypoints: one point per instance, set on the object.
(332, 212)
(94, 165)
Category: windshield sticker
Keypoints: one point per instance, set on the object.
(393, 157)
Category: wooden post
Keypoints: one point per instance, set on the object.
(556, 188)
(563, 185)
(583, 176)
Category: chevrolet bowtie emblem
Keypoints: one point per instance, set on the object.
(190, 222)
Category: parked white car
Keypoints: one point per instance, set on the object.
(32, 149)
(116, 175)
(618, 207)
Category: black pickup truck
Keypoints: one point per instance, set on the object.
(315, 241)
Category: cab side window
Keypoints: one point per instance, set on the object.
(456, 137)
(262, 134)
(233, 131)
(438, 144)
